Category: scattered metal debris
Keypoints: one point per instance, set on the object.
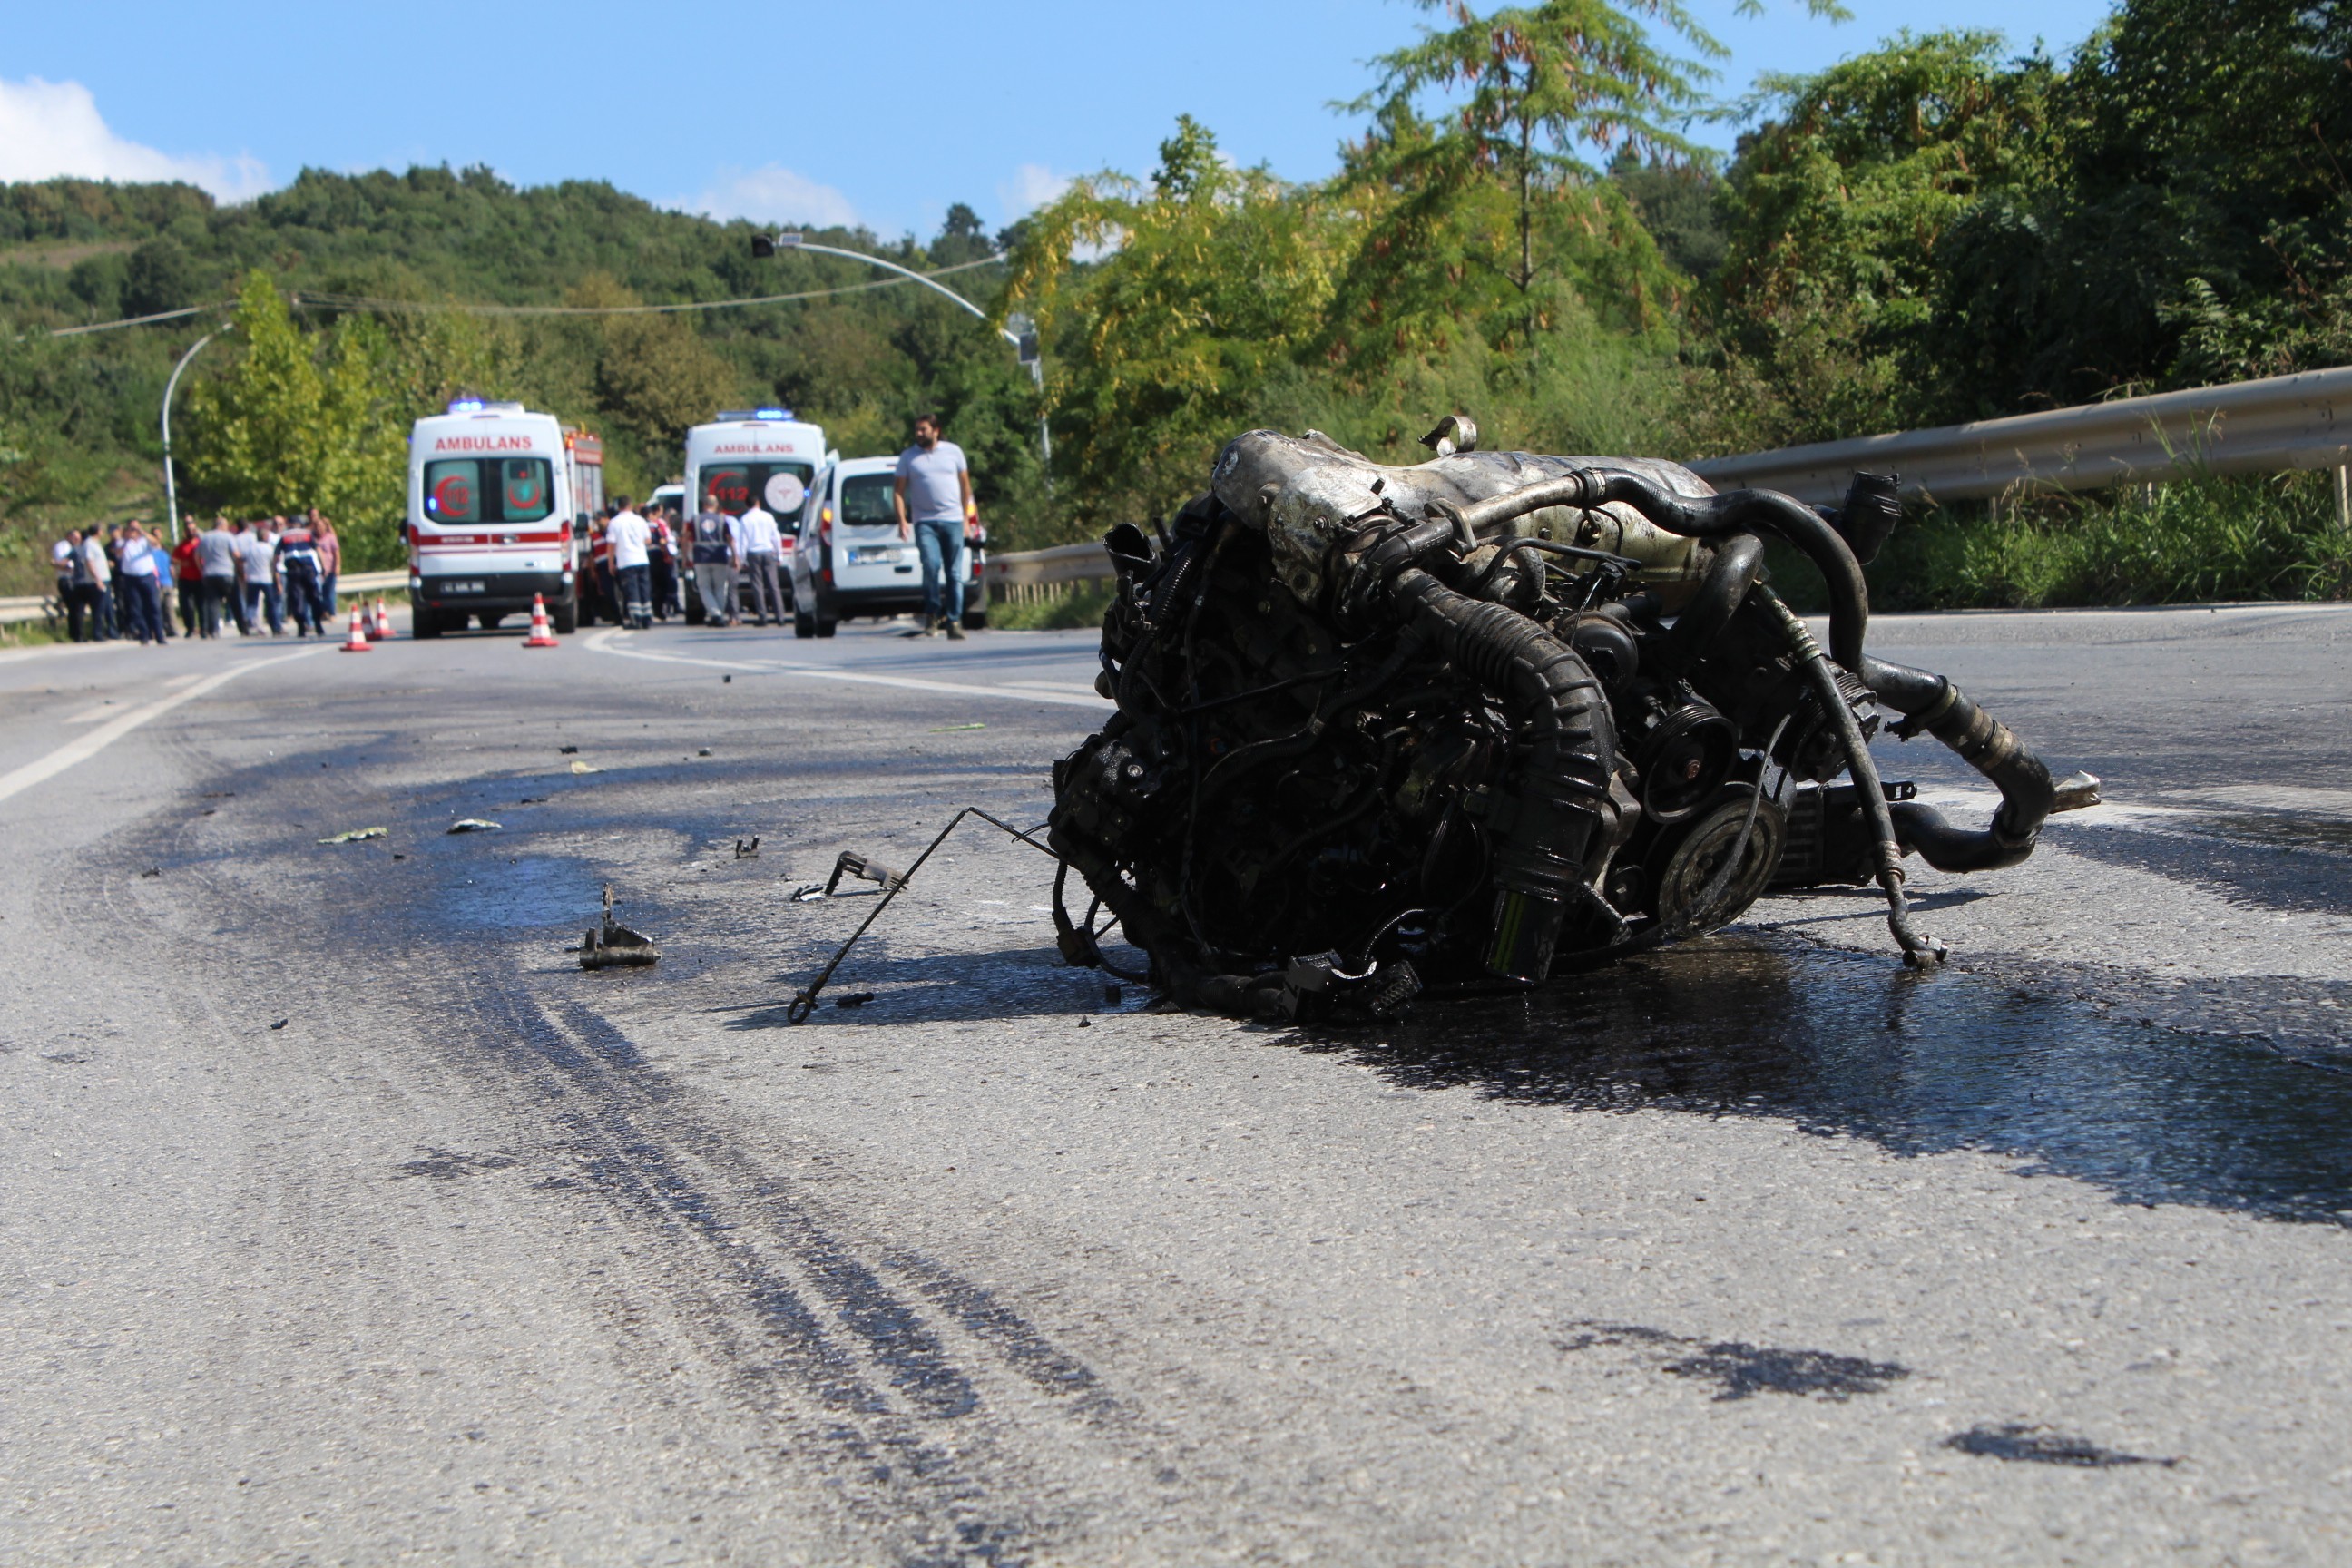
(357, 836)
(852, 864)
(152, 871)
(581, 767)
(853, 999)
(951, 729)
(613, 945)
(281, 1023)
(565, 751)
(893, 883)
(474, 824)
(703, 752)
(747, 851)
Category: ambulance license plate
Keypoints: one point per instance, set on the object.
(873, 554)
(455, 585)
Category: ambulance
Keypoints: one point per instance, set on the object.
(743, 454)
(498, 497)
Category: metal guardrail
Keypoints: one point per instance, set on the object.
(18, 608)
(2273, 425)
(1010, 576)
(2279, 423)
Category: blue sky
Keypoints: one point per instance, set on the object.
(788, 111)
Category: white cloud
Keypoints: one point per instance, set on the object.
(53, 127)
(1032, 186)
(773, 193)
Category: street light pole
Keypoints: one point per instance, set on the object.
(1023, 341)
(171, 485)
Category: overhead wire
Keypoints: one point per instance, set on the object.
(298, 300)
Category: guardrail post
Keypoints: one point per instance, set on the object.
(2344, 499)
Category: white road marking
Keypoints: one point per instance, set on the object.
(92, 715)
(97, 740)
(600, 642)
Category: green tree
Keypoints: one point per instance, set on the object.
(1490, 199)
(303, 420)
(1165, 347)
(1839, 214)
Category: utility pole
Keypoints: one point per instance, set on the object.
(171, 483)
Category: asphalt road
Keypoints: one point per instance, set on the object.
(344, 1219)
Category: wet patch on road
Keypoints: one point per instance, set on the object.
(2031, 1445)
(1853, 1044)
(449, 1164)
(518, 893)
(1741, 1371)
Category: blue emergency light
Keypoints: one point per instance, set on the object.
(773, 414)
(465, 405)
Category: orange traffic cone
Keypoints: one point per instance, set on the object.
(542, 634)
(357, 642)
(382, 630)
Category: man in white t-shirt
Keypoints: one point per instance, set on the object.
(761, 544)
(933, 496)
(142, 585)
(629, 536)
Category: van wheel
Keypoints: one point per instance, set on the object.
(421, 622)
(826, 628)
(488, 623)
(565, 616)
(803, 624)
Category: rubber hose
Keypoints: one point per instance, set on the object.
(1728, 577)
(1931, 702)
(1710, 517)
(1917, 951)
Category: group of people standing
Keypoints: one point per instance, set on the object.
(125, 581)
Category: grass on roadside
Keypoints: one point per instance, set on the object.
(1081, 606)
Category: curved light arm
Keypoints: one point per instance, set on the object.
(171, 485)
(794, 242)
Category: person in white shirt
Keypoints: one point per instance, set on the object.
(761, 544)
(99, 594)
(142, 585)
(628, 536)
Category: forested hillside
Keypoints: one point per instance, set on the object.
(1935, 229)
(77, 415)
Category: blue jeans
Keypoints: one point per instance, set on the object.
(264, 596)
(302, 600)
(638, 595)
(143, 608)
(939, 540)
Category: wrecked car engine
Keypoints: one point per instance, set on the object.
(1486, 721)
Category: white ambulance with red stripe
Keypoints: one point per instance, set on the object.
(743, 456)
(494, 494)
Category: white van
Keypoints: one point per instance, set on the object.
(848, 559)
(749, 454)
(492, 493)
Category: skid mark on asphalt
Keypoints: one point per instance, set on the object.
(794, 1312)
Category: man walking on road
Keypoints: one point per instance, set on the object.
(715, 560)
(933, 495)
(628, 536)
(217, 576)
(256, 559)
(297, 558)
(761, 544)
